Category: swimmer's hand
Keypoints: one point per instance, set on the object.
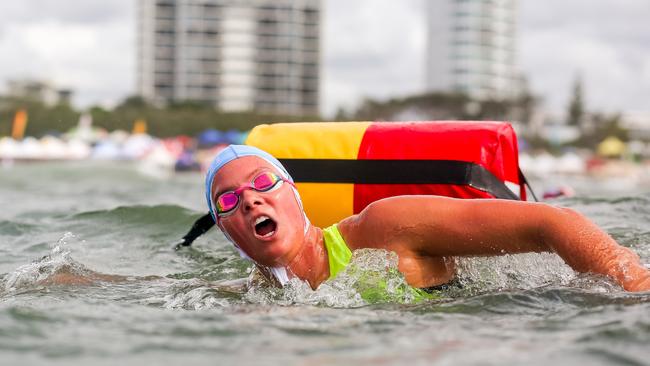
(640, 286)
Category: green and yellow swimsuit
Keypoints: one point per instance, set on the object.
(339, 256)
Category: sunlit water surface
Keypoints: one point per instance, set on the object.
(121, 219)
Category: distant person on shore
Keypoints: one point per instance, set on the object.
(257, 207)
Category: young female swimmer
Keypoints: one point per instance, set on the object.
(257, 207)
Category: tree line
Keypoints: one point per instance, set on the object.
(182, 118)
(190, 118)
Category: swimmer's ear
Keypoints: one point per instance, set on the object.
(203, 224)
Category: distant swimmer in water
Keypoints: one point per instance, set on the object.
(257, 207)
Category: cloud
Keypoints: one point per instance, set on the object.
(605, 42)
(97, 62)
(94, 12)
(372, 48)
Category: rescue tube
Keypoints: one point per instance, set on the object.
(341, 167)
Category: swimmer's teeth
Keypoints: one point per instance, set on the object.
(264, 223)
(261, 218)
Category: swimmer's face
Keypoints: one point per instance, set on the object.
(273, 241)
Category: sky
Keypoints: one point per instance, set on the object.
(370, 49)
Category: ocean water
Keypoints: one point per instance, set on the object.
(169, 307)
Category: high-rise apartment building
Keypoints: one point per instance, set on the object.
(471, 48)
(237, 55)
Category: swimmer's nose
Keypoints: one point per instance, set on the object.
(250, 199)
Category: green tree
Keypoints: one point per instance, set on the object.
(576, 106)
(606, 125)
(41, 119)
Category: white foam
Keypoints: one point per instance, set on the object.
(369, 269)
(33, 273)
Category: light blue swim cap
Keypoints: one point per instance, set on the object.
(229, 154)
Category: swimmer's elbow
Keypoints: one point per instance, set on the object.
(546, 225)
(562, 229)
(570, 213)
(567, 219)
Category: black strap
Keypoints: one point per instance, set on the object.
(397, 172)
(523, 180)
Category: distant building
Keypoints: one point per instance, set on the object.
(237, 55)
(40, 91)
(471, 48)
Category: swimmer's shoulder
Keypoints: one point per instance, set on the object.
(374, 226)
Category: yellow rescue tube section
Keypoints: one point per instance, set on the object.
(324, 203)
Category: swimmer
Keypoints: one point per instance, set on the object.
(257, 207)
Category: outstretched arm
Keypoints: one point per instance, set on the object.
(440, 226)
(68, 276)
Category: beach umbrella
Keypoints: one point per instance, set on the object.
(8, 148)
(53, 148)
(209, 138)
(30, 148)
(611, 147)
(78, 149)
(106, 150)
(234, 137)
(118, 136)
(137, 145)
(185, 141)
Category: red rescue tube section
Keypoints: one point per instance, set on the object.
(492, 145)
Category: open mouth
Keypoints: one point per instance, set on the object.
(265, 226)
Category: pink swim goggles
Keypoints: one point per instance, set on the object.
(228, 201)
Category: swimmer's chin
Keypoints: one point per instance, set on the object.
(272, 255)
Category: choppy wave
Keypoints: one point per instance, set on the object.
(138, 215)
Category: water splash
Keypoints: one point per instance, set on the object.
(298, 292)
(371, 277)
(520, 271)
(40, 270)
(187, 295)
